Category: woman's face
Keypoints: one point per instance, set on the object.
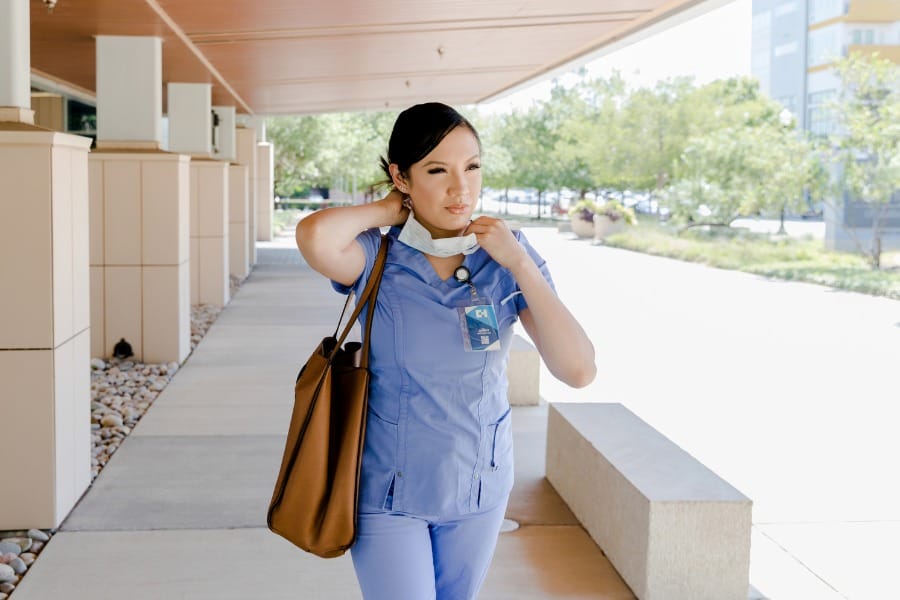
(445, 185)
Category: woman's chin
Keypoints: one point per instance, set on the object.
(448, 225)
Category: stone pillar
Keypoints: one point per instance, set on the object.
(224, 149)
(140, 273)
(140, 203)
(238, 191)
(238, 195)
(190, 119)
(191, 132)
(129, 92)
(247, 155)
(49, 111)
(265, 198)
(15, 62)
(209, 232)
(45, 334)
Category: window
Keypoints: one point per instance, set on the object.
(863, 36)
(822, 10)
(762, 42)
(785, 9)
(789, 48)
(820, 117)
(824, 46)
(789, 102)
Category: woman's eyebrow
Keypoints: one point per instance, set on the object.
(438, 162)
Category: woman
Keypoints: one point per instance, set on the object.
(437, 466)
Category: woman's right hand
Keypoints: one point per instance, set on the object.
(396, 212)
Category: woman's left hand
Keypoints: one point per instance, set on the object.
(497, 240)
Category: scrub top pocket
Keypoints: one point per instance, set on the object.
(497, 473)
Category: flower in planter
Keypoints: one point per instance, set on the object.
(586, 209)
(614, 210)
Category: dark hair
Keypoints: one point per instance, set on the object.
(418, 130)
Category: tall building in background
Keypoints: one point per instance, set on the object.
(778, 57)
(795, 44)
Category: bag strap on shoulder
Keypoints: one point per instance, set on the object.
(368, 295)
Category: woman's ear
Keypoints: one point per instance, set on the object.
(400, 182)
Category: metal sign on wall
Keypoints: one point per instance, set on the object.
(861, 214)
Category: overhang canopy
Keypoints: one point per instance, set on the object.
(298, 56)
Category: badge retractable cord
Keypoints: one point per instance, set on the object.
(477, 319)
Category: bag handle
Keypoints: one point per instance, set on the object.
(369, 293)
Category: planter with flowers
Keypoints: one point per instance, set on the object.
(592, 220)
(581, 215)
(612, 217)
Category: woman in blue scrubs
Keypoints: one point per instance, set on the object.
(438, 464)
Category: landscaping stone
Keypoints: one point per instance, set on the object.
(37, 534)
(18, 565)
(6, 573)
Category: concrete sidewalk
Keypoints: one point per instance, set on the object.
(179, 511)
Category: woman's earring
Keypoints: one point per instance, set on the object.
(407, 202)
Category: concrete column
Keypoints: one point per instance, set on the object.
(238, 195)
(247, 155)
(49, 111)
(44, 323)
(129, 92)
(209, 232)
(140, 273)
(190, 119)
(140, 208)
(15, 62)
(265, 185)
(225, 142)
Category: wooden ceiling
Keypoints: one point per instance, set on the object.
(298, 56)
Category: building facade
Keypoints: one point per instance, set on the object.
(796, 44)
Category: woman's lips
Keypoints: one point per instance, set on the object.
(458, 209)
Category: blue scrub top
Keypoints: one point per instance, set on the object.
(438, 436)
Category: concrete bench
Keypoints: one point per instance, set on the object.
(673, 529)
(523, 373)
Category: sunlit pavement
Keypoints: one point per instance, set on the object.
(787, 390)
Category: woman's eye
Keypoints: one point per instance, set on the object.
(474, 166)
(436, 170)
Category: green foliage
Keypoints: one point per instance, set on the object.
(743, 170)
(868, 136)
(321, 150)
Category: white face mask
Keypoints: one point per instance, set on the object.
(416, 236)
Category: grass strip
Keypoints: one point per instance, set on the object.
(773, 256)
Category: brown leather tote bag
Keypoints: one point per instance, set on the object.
(315, 498)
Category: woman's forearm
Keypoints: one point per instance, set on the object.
(560, 339)
(327, 238)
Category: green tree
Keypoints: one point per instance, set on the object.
(742, 171)
(867, 140)
(533, 140)
(322, 150)
(299, 144)
(657, 124)
(496, 160)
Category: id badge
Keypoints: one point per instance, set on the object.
(479, 326)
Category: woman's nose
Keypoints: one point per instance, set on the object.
(460, 184)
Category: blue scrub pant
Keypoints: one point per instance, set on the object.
(401, 557)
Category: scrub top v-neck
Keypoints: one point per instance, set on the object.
(438, 437)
